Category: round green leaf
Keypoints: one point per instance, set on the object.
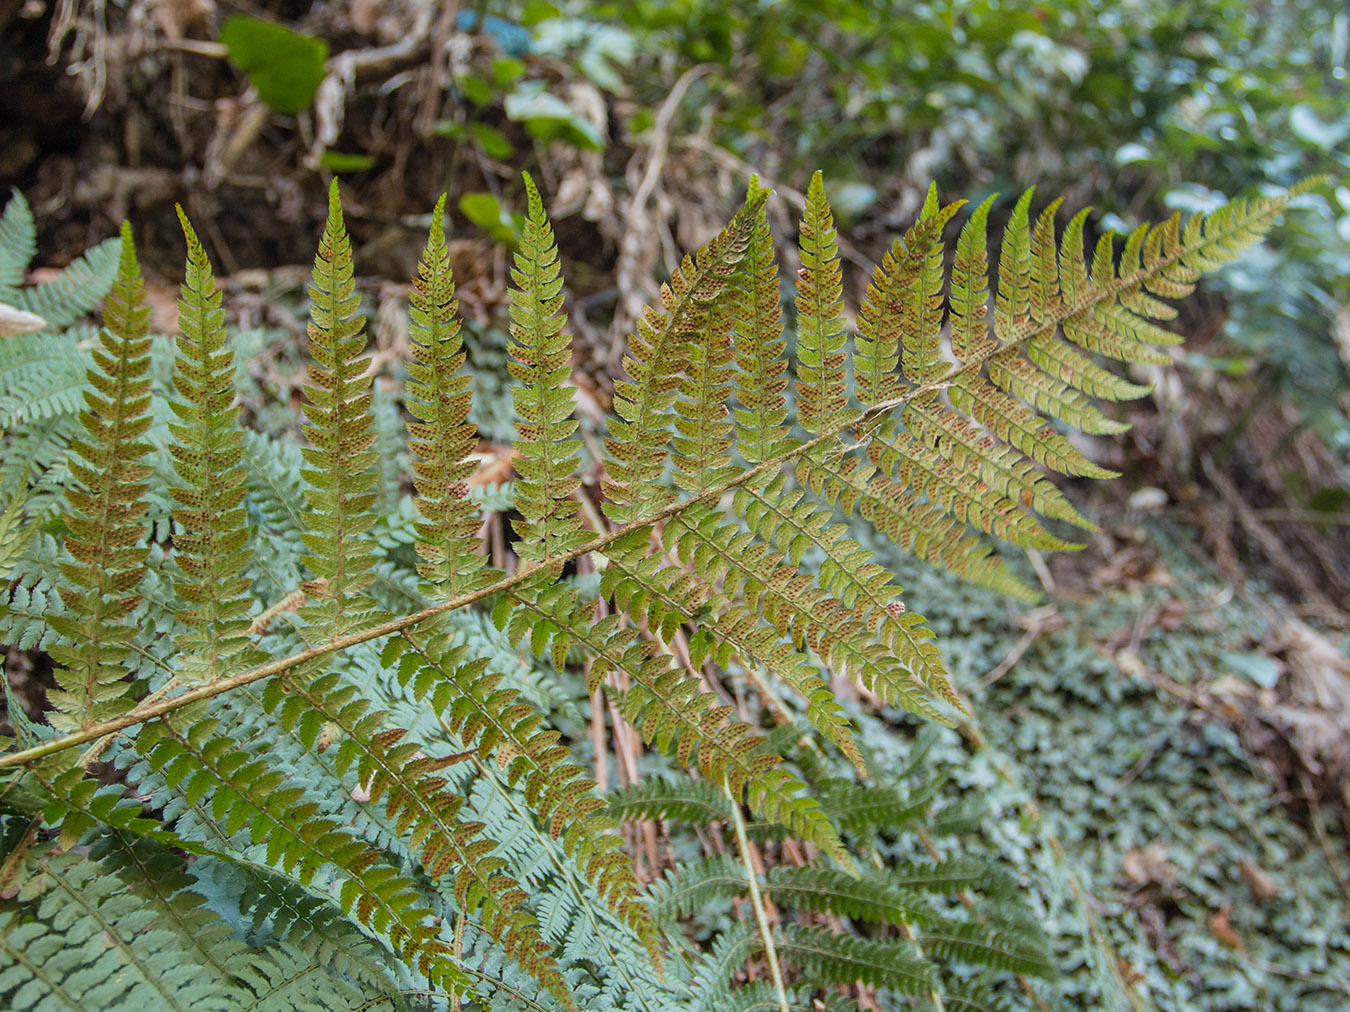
(285, 66)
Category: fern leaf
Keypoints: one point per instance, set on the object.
(969, 294)
(542, 353)
(702, 441)
(339, 477)
(441, 437)
(761, 360)
(870, 897)
(1013, 301)
(106, 518)
(75, 291)
(1014, 950)
(826, 957)
(250, 793)
(696, 802)
(668, 598)
(903, 308)
(18, 245)
(821, 380)
(42, 377)
(658, 352)
(491, 719)
(88, 943)
(673, 713)
(688, 888)
(857, 588)
(914, 525)
(211, 540)
(955, 491)
(425, 812)
(921, 308)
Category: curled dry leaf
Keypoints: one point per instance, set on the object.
(14, 322)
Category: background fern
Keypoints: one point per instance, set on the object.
(317, 713)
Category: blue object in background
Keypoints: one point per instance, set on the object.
(511, 38)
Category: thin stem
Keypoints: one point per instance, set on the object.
(757, 901)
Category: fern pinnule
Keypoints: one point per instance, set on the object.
(339, 476)
(658, 353)
(440, 435)
(761, 358)
(821, 378)
(903, 308)
(210, 537)
(107, 513)
(542, 361)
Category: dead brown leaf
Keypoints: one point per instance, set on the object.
(1258, 880)
(1149, 866)
(1221, 929)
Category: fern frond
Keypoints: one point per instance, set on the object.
(821, 378)
(658, 353)
(696, 802)
(668, 598)
(425, 812)
(248, 792)
(339, 478)
(210, 539)
(761, 359)
(857, 587)
(846, 959)
(490, 719)
(441, 438)
(671, 711)
(89, 943)
(542, 353)
(106, 518)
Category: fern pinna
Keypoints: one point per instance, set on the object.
(387, 807)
